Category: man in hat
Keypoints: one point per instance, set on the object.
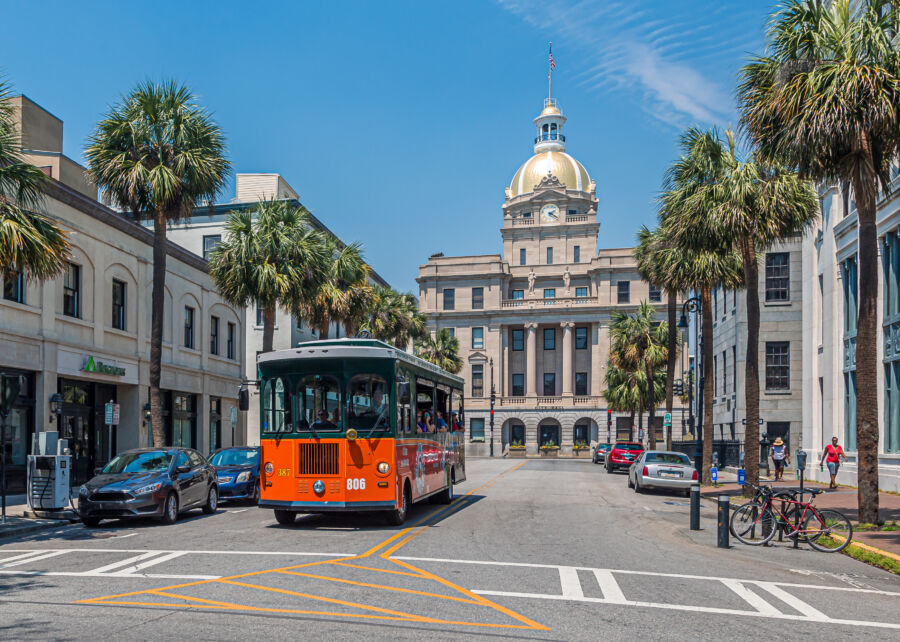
(779, 455)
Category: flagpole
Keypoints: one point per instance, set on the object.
(550, 76)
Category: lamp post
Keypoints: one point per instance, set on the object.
(692, 305)
(56, 402)
(493, 400)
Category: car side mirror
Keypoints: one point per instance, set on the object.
(98, 470)
(182, 469)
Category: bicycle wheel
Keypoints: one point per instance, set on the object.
(790, 514)
(753, 524)
(828, 531)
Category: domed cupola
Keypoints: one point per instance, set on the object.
(549, 129)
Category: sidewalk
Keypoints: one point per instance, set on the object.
(844, 500)
(17, 525)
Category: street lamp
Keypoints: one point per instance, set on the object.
(692, 305)
(56, 402)
(493, 400)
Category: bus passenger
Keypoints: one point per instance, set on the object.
(322, 421)
(454, 421)
(441, 423)
(336, 417)
(429, 424)
(420, 424)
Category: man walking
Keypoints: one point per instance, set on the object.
(779, 455)
(832, 456)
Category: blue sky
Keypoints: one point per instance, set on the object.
(401, 123)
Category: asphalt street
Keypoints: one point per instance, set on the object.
(543, 549)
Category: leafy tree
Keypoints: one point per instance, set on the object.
(442, 350)
(158, 153)
(750, 204)
(825, 98)
(394, 317)
(271, 255)
(29, 242)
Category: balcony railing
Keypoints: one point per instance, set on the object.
(568, 301)
(512, 401)
(529, 220)
(576, 218)
(550, 136)
(585, 400)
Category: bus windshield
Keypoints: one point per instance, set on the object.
(319, 404)
(368, 403)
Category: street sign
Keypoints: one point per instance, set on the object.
(115, 417)
(714, 473)
(667, 419)
(108, 414)
(742, 476)
(233, 415)
(744, 421)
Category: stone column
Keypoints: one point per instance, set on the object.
(531, 359)
(504, 362)
(567, 357)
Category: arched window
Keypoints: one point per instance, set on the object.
(553, 131)
(545, 129)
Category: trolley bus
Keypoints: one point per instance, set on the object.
(357, 425)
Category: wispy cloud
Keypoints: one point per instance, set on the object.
(659, 52)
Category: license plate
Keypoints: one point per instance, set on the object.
(668, 473)
(225, 480)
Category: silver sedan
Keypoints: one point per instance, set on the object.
(662, 469)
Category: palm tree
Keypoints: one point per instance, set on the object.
(651, 269)
(701, 269)
(30, 243)
(826, 99)
(626, 389)
(751, 204)
(442, 350)
(394, 317)
(271, 255)
(158, 153)
(343, 294)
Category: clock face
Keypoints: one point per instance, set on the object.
(550, 213)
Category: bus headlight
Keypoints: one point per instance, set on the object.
(352, 434)
(269, 468)
(383, 467)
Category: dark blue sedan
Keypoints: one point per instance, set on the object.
(237, 470)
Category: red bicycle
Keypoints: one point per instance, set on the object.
(757, 522)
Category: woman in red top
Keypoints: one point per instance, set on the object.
(832, 456)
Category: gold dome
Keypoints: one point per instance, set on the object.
(568, 170)
(550, 110)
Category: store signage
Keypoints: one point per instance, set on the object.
(95, 365)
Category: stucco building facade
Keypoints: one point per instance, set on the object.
(534, 319)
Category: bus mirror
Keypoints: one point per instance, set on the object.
(244, 399)
(403, 392)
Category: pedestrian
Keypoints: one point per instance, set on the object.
(832, 456)
(779, 455)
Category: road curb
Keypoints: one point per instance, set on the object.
(17, 530)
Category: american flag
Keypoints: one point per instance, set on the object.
(552, 61)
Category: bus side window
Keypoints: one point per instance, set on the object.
(456, 418)
(441, 408)
(403, 402)
(424, 405)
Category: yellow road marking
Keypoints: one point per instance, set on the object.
(404, 536)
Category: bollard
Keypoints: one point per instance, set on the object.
(695, 507)
(724, 506)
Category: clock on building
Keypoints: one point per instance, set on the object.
(550, 213)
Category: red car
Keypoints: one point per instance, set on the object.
(623, 454)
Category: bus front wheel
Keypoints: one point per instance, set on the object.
(398, 516)
(285, 517)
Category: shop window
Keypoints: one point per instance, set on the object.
(215, 424)
(14, 288)
(188, 327)
(581, 338)
(72, 291)
(118, 305)
(518, 340)
(477, 298)
(184, 417)
(214, 335)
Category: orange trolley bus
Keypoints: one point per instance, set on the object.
(357, 425)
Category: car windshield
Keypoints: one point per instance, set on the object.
(139, 462)
(667, 458)
(629, 447)
(235, 457)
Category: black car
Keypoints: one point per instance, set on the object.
(149, 482)
(237, 470)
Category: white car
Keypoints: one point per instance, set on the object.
(662, 469)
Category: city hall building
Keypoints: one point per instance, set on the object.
(534, 320)
(82, 340)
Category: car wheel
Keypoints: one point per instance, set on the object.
(398, 517)
(630, 483)
(90, 522)
(170, 509)
(212, 501)
(253, 498)
(608, 469)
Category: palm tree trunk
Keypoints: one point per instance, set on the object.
(157, 309)
(867, 338)
(630, 426)
(707, 330)
(268, 327)
(671, 347)
(651, 406)
(640, 420)
(323, 330)
(751, 365)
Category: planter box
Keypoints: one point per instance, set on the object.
(517, 453)
(549, 452)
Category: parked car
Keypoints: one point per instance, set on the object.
(662, 469)
(149, 482)
(237, 470)
(623, 454)
(600, 451)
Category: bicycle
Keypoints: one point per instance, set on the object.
(756, 523)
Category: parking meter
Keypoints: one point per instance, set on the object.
(764, 451)
(801, 460)
(715, 459)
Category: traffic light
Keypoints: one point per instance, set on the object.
(608, 417)
(493, 397)
(678, 388)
